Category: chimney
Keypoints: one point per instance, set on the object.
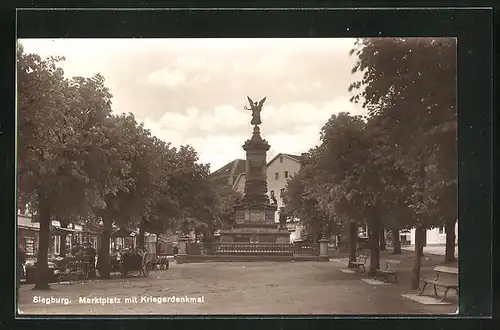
(303, 158)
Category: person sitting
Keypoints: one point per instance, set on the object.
(74, 249)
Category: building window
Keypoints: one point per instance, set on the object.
(276, 176)
(282, 192)
(281, 159)
(56, 244)
(272, 193)
(286, 174)
(441, 230)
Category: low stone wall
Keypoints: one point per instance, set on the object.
(243, 258)
(249, 252)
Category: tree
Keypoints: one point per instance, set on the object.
(226, 199)
(163, 211)
(301, 197)
(409, 86)
(366, 176)
(118, 187)
(55, 114)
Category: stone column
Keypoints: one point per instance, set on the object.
(182, 254)
(323, 248)
(255, 180)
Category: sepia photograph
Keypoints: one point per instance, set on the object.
(237, 176)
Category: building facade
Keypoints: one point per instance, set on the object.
(435, 236)
(280, 169)
(28, 235)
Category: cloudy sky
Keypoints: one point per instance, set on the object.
(192, 91)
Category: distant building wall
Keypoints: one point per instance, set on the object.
(435, 236)
(281, 169)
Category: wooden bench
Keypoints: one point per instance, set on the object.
(446, 277)
(78, 269)
(360, 261)
(389, 270)
(160, 261)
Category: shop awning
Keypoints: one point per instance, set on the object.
(92, 229)
(164, 239)
(58, 231)
(123, 233)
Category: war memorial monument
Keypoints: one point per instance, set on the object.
(254, 217)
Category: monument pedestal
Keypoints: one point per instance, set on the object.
(255, 216)
(255, 223)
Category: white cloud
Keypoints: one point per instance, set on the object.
(193, 90)
(289, 87)
(167, 78)
(230, 116)
(317, 84)
(262, 64)
(219, 150)
(176, 121)
(189, 62)
(193, 112)
(342, 104)
(200, 79)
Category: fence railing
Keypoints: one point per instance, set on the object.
(261, 248)
(305, 250)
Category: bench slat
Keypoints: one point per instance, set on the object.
(446, 270)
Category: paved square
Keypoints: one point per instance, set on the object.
(373, 281)
(348, 271)
(426, 300)
(231, 288)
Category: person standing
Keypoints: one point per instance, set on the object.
(91, 254)
(21, 262)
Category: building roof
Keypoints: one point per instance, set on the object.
(228, 173)
(297, 157)
(291, 156)
(234, 167)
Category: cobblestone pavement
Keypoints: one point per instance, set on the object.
(236, 288)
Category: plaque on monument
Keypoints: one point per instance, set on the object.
(257, 216)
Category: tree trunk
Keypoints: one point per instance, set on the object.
(450, 241)
(140, 238)
(396, 241)
(314, 237)
(423, 241)
(383, 244)
(420, 232)
(374, 245)
(42, 268)
(352, 240)
(419, 240)
(62, 249)
(103, 265)
(157, 243)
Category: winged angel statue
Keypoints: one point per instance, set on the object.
(256, 109)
